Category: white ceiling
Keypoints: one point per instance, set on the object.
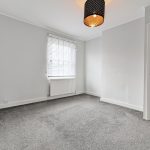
(66, 16)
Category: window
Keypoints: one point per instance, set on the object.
(61, 58)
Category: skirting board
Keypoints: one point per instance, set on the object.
(93, 94)
(30, 101)
(119, 103)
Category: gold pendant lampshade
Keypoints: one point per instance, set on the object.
(94, 12)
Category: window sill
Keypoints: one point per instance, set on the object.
(60, 78)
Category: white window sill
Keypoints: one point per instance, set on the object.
(60, 78)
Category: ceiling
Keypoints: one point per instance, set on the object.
(66, 16)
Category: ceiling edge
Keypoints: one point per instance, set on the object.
(49, 29)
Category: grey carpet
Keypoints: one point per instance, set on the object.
(75, 123)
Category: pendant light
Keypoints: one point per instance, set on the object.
(94, 12)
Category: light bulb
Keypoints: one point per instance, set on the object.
(92, 26)
(94, 15)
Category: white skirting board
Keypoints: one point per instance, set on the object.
(30, 101)
(93, 94)
(119, 103)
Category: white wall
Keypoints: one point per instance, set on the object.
(121, 61)
(23, 62)
(147, 65)
(93, 63)
(80, 68)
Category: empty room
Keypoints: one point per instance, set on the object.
(74, 74)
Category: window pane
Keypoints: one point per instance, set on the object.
(61, 57)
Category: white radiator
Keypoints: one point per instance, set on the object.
(62, 86)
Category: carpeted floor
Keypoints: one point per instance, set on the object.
(75, 123)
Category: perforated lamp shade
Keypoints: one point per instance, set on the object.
(94, 12)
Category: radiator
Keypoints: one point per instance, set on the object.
(62, 86)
